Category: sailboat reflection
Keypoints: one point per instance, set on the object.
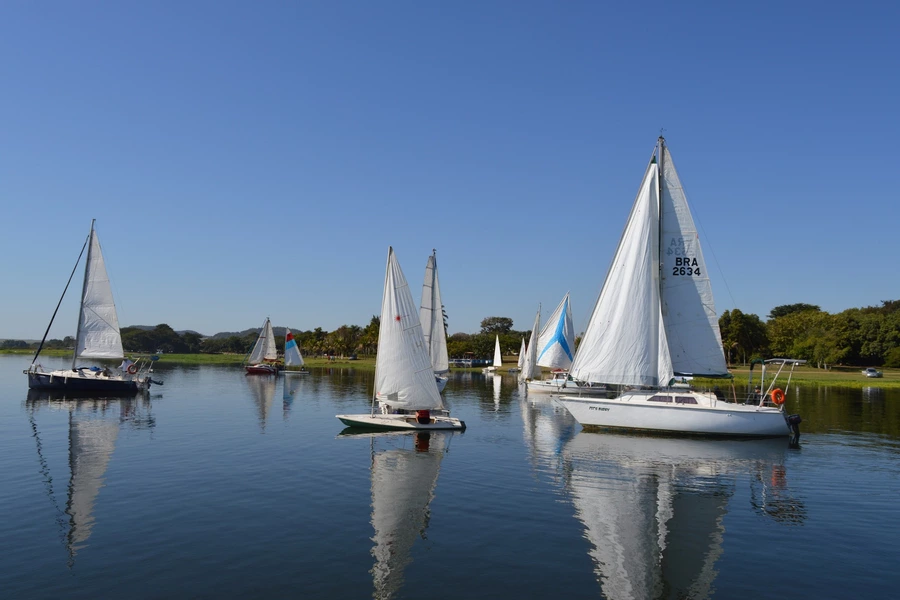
(262, 390)
(548, 426)
(404, 477)
(653, 508)
(291, 388)
(498, 381)
(93, 427)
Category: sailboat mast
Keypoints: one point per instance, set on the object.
(84, 284)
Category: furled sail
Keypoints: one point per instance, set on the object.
(431, 314)
(292, 356)
(98, 325)
(403, 370)
(688, 309)
(556, 345)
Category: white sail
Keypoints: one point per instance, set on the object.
(98, 325)
(498, 358)
(265, 348)
(403, 484)
(530, 363)
(688, 310)
(292, 356)
(403, 371)
(92, 440)
(625, 342)
(522, 355)
(431, 314)
(556, 345)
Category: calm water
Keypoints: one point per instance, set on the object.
(218, 486)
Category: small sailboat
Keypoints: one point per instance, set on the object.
(498, 357)
(264, 354)
(406, 394)
(293, 360)
(655, 319)
(431, 313)
(529, 365)
(97, 337)
(556, 349)
(518, 366)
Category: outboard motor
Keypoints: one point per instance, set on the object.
(793, 422)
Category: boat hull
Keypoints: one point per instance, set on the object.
(74, 381)
(261, 370)
(635, 413)
(401, 422)
(550, 386)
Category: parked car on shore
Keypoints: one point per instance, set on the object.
(871, 372)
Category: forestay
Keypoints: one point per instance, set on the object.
(557, 341)
(98, 325)
(403, 371)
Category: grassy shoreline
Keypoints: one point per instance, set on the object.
(838, 376)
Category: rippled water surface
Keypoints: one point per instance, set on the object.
(218, 485)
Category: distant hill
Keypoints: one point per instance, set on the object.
(152, 327)
(279, 332)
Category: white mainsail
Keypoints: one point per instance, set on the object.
(403, 370)
(688, 310)
(530, 363)
(521, 355)
(265, 345)
(431, 314)
(292, 356)
(556, 344)
(403, 484)
(655, 316)
(498, 358)
(98, 325)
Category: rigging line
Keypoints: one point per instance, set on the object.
(43, 339)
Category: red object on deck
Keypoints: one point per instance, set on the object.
(423, 416)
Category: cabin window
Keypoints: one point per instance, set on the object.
(685, 400)
(660, 399)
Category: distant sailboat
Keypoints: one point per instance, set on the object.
(529, 365)
(655, 319)
(521, 362)
(293, 360)
(406, 394)
(498, 357)
(431, 314)
(264, 354)
(97, 337)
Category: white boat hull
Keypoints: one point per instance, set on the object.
(636, 412)
(401, 422)
(550, 386)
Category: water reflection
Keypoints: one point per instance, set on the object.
(653, 508)
(404, 474)
(498, 381)
(547, 428)
(93, 427)
(262, 391)
(291, 388)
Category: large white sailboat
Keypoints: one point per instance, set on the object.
(654, 320)
(406, 394)
(431, 313)
(97, 337)
(264, 354)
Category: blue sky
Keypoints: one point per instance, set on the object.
(254, 159)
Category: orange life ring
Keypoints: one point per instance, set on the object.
(778, 396)
(132, 369)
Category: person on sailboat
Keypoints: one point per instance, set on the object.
(124, 366)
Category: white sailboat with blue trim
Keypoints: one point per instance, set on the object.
(655, 319)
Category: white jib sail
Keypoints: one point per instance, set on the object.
(622, 343)
(431, 314)
(98, 325)
(530, 363)
(521, 354)
(292, 357)
(498, 358)
(688, 309)
(403, 372)
(556, 345)
(264, 349)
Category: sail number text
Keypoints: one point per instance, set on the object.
(685, 265)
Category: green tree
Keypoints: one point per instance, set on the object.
(496, 325)
(787, 309)
(743, 336)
